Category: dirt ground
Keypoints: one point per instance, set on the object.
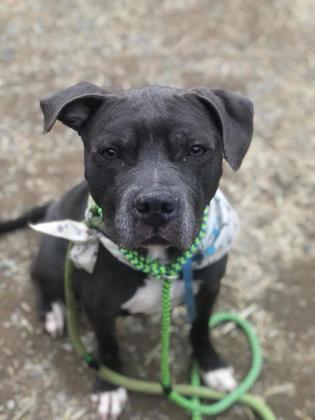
(262, 49)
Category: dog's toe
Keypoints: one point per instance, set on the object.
(110, 403)
(55, 320)
(220, 379)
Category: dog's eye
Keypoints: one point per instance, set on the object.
(197, 150)
(108, 153)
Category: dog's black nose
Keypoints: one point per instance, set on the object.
(156, 208)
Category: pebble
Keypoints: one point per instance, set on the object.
(11, 405)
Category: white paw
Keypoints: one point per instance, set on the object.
(55, 319)
(110, 404)
(220, 379)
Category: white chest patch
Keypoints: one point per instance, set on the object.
(147, 299)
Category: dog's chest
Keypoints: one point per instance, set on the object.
(147, 298)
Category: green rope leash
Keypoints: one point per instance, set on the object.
(176, 393)
(194, 391)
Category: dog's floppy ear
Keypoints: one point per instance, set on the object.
(235, 114)
(71, 106)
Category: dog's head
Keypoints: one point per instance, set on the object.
(153, 156)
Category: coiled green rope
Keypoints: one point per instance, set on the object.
(229, 399)
(177, 392)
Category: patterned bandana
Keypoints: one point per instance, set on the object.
(222, 228)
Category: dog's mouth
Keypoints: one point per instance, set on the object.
(165, 235)
(143, 236)
(156, 240)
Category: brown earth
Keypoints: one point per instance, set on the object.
(262, 49)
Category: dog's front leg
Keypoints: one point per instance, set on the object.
(109, 398)
(215, 372)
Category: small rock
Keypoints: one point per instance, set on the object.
(11, 405)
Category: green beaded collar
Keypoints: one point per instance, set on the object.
(149, 265)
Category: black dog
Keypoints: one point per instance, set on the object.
(153, 162)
